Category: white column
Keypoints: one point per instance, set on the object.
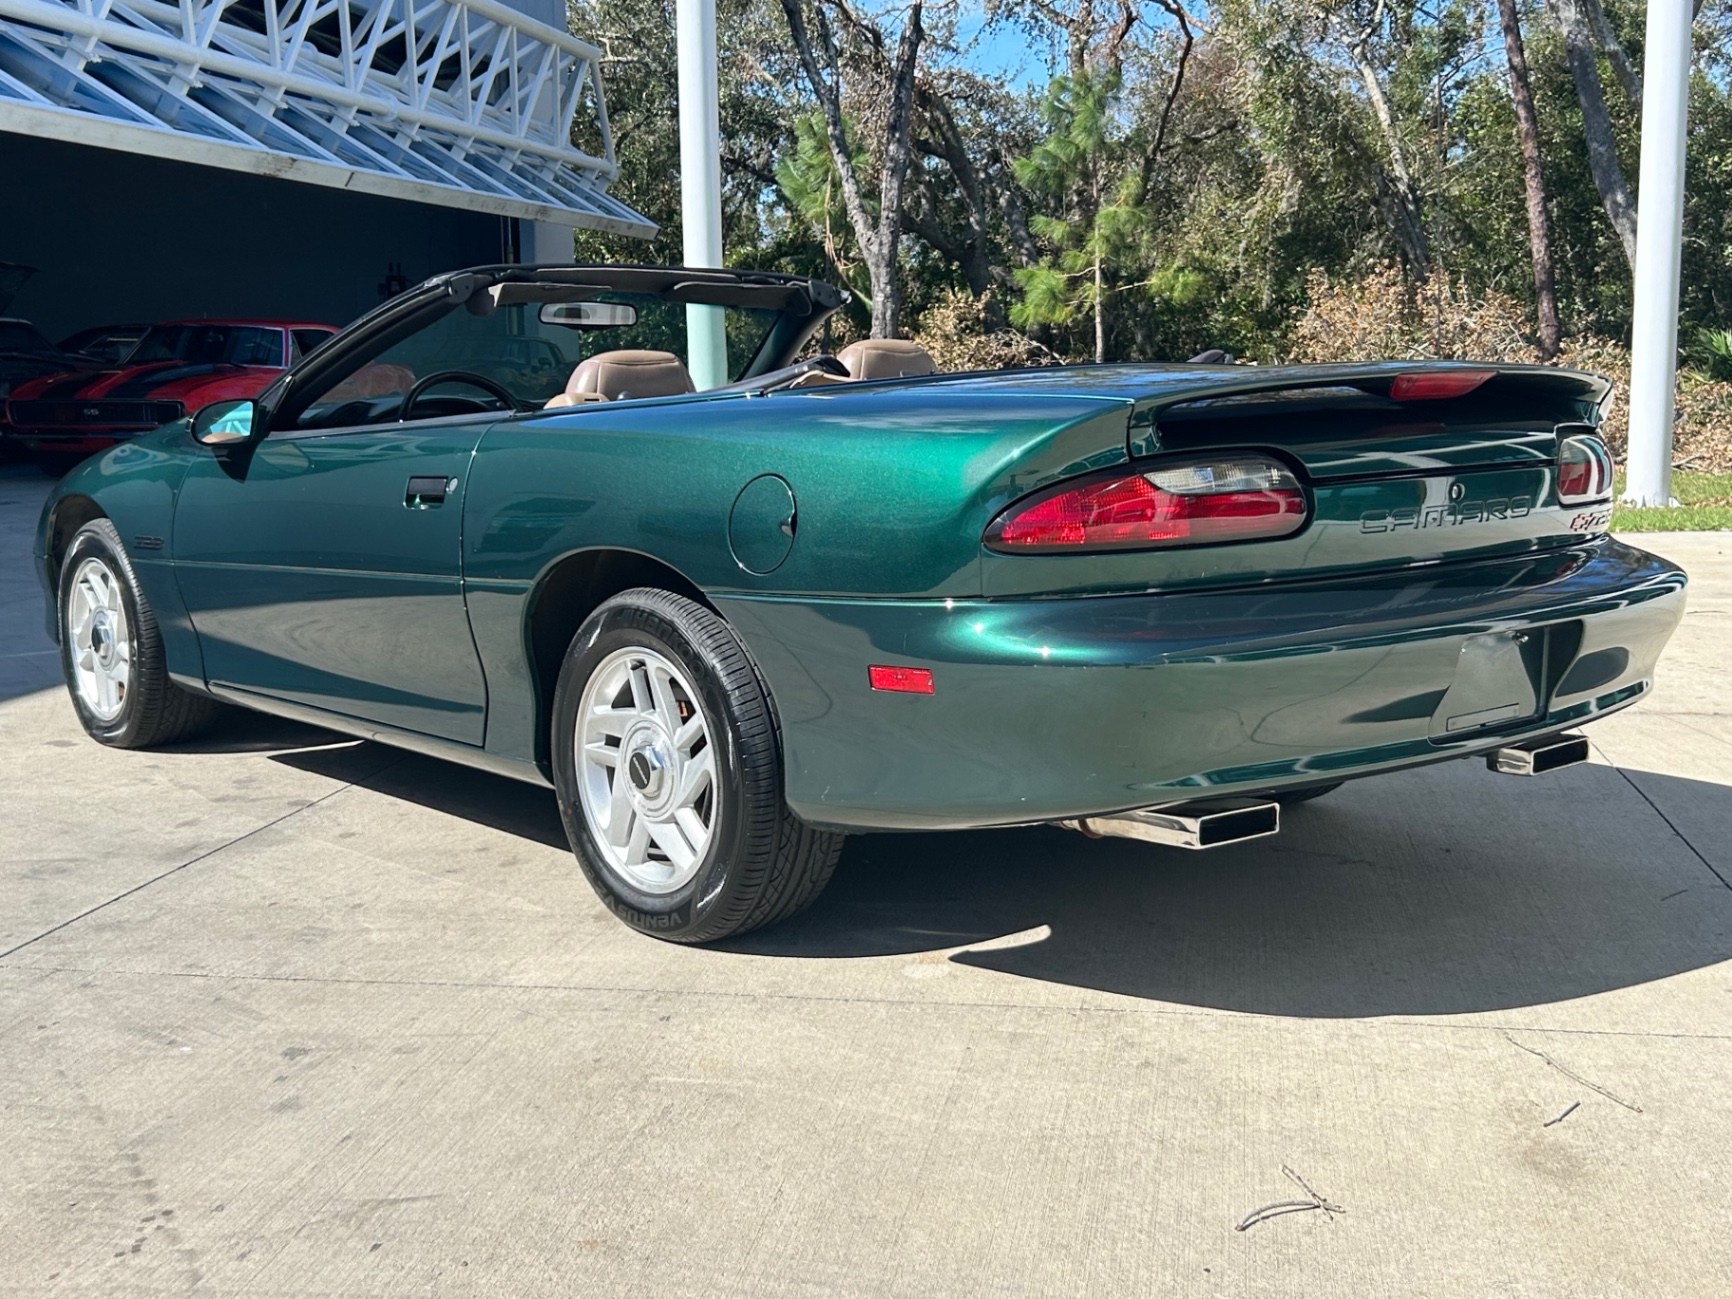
(1659, 239)
(701, 181)
(543, 241)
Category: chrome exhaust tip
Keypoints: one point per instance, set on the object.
(1537, 757)
(1205, 824)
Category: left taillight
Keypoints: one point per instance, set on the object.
(1223, 498)
(1584, 470)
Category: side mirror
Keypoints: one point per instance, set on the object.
(224, 423)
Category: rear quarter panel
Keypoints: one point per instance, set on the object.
(892, 487)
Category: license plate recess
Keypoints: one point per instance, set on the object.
(1499, 679)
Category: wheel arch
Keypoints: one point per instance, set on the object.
(567, 592)
(70, 513)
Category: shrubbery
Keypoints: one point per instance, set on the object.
(1381, 317)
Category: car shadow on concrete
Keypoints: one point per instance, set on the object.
(478, 796)
(1326, 920)
(1363, 906)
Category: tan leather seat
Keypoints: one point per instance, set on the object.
(617, 376)
(886, 358)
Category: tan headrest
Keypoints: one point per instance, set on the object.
(886, 358)
(614, 376)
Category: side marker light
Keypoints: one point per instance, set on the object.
(907, 681)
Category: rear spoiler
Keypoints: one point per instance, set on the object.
(1440, 390)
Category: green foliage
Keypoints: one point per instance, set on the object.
(1710, 353)
(1273, 166)
(809, 183)
(1094, 219)
(1704, 500)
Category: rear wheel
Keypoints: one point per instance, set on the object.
(667, 761)
(111, 651)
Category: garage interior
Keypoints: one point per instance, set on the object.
(288, 160)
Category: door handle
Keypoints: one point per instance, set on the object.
(426, 492)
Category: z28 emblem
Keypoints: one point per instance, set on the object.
(1446, 516)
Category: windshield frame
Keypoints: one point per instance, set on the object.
(801, 305)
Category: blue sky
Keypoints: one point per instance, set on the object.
(1002, 49)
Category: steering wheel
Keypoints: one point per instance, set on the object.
(480, 381)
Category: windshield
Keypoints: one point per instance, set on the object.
(210, 345)
(17, 336)
(526, 356)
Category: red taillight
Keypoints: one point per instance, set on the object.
(1584, 470)
(1240, 498)
(907, 681)
(1437, 385)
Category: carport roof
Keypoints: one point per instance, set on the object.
(459, 103)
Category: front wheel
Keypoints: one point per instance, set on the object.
(111, 651)
(667, 762)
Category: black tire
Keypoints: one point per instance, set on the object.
(1304, 794)
(762, 864)
(153, 710)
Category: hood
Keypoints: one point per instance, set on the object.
(165, 380)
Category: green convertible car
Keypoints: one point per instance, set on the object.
(493, 521)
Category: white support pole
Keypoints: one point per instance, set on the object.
(701, 182)
(1659, 240)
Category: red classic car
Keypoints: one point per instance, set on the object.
(176, 368)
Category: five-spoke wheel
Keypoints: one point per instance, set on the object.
(647, 769)
(668, 764)
(99, 640)
(111, 650)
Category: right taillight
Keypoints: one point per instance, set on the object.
(1227, 498)
(1584, 470)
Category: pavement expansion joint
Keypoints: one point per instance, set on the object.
(191, 861)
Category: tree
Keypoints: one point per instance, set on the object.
(878, 234)
(1400, 205)
(1580, 47)
(1534, 184)
(1081, 165)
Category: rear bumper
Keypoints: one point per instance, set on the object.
(1047, 709)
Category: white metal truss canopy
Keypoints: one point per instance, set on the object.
(461, 103)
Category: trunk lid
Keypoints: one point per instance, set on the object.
(1395, 481)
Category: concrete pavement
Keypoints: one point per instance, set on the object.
(287, 1014)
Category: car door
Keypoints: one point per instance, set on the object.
(324, 568)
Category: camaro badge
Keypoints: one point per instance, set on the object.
(1446, 516)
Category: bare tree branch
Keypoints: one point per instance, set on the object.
(878, 238)
(1186, 43)
(1615, 197)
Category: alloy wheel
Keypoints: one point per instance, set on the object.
(101, 640)
(646, 768)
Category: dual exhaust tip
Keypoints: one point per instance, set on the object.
(1214, 823)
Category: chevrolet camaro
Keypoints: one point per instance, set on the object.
(174, 368)
(497, 521)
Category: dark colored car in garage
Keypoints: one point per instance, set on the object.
(104, 344)
(25, 354)
(176, 368)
